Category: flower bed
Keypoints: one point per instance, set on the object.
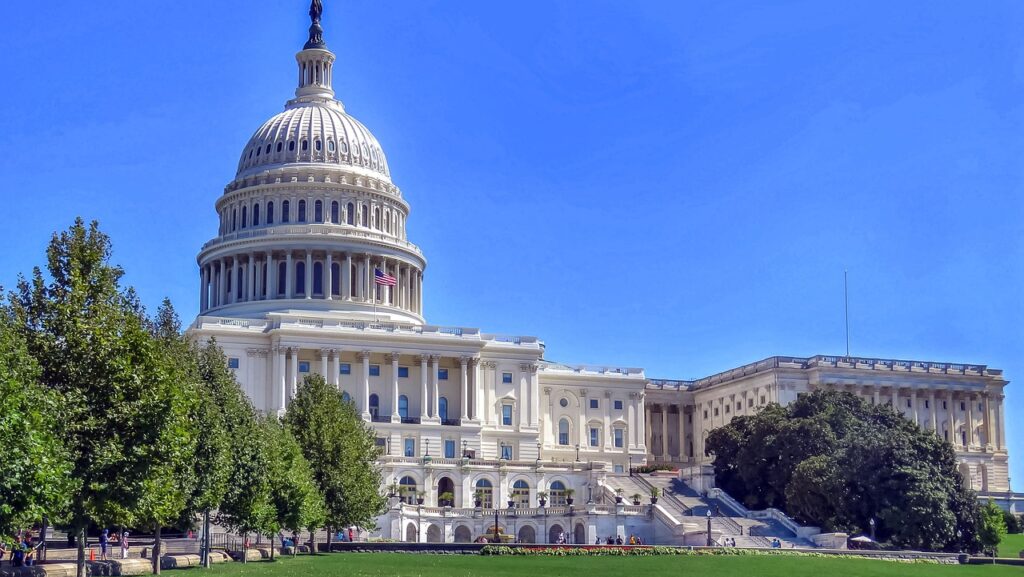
(648, 551)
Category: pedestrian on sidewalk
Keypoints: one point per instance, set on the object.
(124, 544)
(104, 541)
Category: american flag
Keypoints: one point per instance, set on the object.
(382, 278)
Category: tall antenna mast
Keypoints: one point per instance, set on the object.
(846, 306)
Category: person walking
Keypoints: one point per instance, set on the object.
(124, 544)
(104, 542)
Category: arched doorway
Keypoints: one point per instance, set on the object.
(484, 493)
(527, 534)
(434, 534)
(579, 536)
(554, 532)
(410, 533)
(407, 489)
(521, 494)
(463, 534)
(445, 485)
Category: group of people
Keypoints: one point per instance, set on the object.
(22, 552)
(618, 540)
(107, 538)
(728, 542)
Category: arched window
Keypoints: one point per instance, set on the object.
(234, 218)
(256, 214)
(268, 148)
(403, 406)
(442, 408)
(318, 278)
(318, 211)
(282, 276)
(270, 212)
(521, 494)
(302, 211)
(319, 145)
(300, 278)
(335, 216)
(350, 214)
(330, 145)
(563, 432)
(258, 149)
(305, 145)
(366, 220)
(335, 278)
(484, 493)
(240, 289)
(376, 218)
(284, 211)
(245, 213)
(387, 222)
(374, 405)
(345, 397)
(407, 489)
(291, 146)
(263, 281)
(557, 494)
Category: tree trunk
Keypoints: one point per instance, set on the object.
(245, 548)
(157, 550)
(42, 538)
(273, 545)
(206, 539)
(330, 533)
(312, 541)
(80, 569)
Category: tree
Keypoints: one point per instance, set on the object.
(992, 526)
(342, 451)
(832, 460)
(294, 494)
(120, 413)
(34, 478)
(1012, 523)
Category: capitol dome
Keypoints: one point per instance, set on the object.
(312, 223)
(314, 132)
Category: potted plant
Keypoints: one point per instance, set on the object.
(655, 493)
(447, 499)
(542, 498)
(568, 496)
(511, 503)
(419, 497)
(404, 494)
(478, 498)
(618, 495)
(636, 498)
(393, 489)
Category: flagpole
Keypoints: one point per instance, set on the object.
(374, 295)
(846, 307)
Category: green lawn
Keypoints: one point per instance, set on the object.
(1011, 545)
(394, 564)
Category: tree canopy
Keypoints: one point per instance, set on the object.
(832, 460)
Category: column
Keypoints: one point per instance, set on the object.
(986, 422)
(913, 406)
(395, 416)
(346, 278)
(971, 441)
(368, 279)
(631, 421)
(289, 276)
(364, 356)
(935, 410)
(1001, 425)
(282, 388)
(398, 284)
(606, 424)
(294, 379)
(335, 368)
(877, 394)
(464, 380)
(233, 281)
(581, 424)
(360, 285)
(309, 274)
(434, 360)
(251, 296)
(323, 364)
(492, 393)
(202, 288)
(534, 396)
(951, 418)
(896, 399)
(665, 430)
(477, 391)
(424, 396)
(521, 397)
(648, 438)
(329, 277)
(682, 431)
(271, 276)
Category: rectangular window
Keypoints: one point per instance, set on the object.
(716, 411)
(727, 407)
(618, 405)
(593, 403)
(345, 369)
(944, 407)
(381, 443)
(909, 405)
(403, 372)
(410, 447)
(595, 436)
(506, 452)
(762, 399)
(233, 363)
(927, 404)
(618, 435)
(506, 378)
(619, 469)
(739, 405)
(963, 406)
(303, 366)
(442, 374)
(506, 414)
(705, 413)
(374, 370)
(689, 418)
(750, 402)
(449, 448)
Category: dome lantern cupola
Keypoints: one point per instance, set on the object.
(316, 62)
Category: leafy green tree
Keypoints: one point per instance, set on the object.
(34, 480)
(1012, 523)
(296, 498)
(342, 451)
(992, 526)
(120, 413)
(832, 460)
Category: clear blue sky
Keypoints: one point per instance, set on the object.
(670, 185)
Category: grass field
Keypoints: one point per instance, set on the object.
(404, 565)
(1011, 545)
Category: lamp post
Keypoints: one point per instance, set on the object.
(959, 546)
(501, 456)
(426, 444)
(465, 450)
(539, 447)
(629, 466)
(709, 527)
(577, 452)
(871, 522)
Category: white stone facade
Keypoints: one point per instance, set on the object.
(287, 288)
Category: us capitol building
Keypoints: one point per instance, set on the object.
(311, 271)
